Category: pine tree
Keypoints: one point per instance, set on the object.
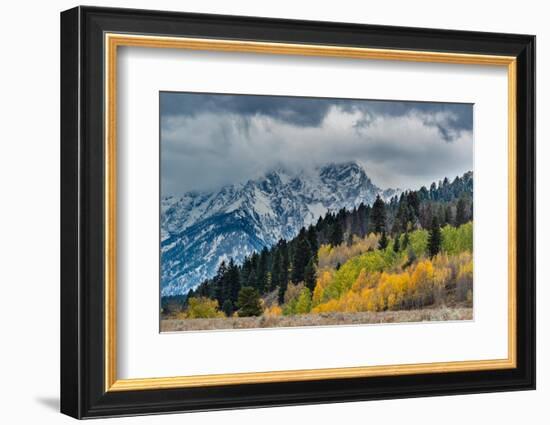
(233, 280)
(261, 272)
(413, 203)
(219, 291)
(448, 215)
(285, 266)
(281, 294)
(249, 302)
(433, 192)
(362, 215)
(461, 212)
(312, 240)
(283, 272)
(402, 216)
(383, 242)
(300, 259)
(426, 216)
(434, 238)
(405, 243)
(336, 234)
(354, 222)
(227, 308)
(251, 281)
(377, 219)
(396, 247)
(310, 275)
(276, 269)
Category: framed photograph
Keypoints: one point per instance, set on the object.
(261, 212)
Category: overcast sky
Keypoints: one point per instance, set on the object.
(210, 140)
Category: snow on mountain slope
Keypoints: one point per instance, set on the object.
(199, 230)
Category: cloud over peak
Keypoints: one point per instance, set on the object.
(210, 140)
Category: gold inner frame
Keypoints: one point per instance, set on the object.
(113, 41)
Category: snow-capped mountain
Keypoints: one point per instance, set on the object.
(199, 230)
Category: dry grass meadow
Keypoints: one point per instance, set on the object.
(321, 319)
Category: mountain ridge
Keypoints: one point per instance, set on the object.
(200, 229)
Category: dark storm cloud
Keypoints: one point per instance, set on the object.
(310, 112)
(297, 111)
(210, 140)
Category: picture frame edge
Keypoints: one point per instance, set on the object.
(83, 394)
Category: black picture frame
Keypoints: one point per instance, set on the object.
(83, 392)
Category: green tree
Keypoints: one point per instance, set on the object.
(313, 242)
(281, 294)
(461, 212)
(251, 281)
(402, 216)
(283, 272)
(405, 243)
(413, 203)
(276, 269)
(434, 238)
(227, 308)
(336, 234)
(262, 272)
(448, 215)
(300, 259)
(249, 302)
(383, 242)
(233, 282)
(377, 219)
(285, 264)
(396, 247)
(310, 274)
(220, 292)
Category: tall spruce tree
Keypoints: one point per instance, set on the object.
(310, 275)
(434, 237)
(276, 269)
(448, 215)
(377, 219)
(219, 291)
(383, 242)
(362, 214)
(283, 273)
(461, 212)
(302, 254)
(281, 293)
(313, 242)
(396, 246)
(233, 281)
(405, 243)
(227, 308)
(285, 263)
(413, 202)
(336, 234)
(262, 272)
(402, 216)
(251, 281)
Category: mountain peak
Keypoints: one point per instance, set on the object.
(346, 165)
